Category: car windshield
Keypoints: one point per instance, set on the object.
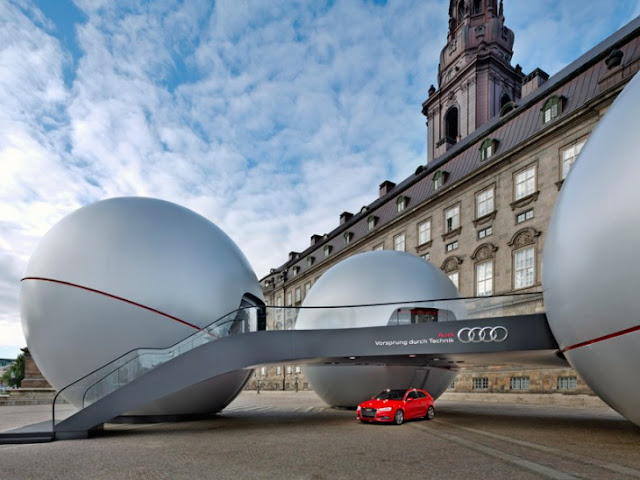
(390, 395)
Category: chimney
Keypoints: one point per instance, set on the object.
(345, 217)
(386, 187)
(293, 255)
(532, 81)
(315, 239)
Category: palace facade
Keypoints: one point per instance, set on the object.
(500, 145)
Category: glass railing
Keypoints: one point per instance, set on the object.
(132, 365)
(403, 313)
(135, 363)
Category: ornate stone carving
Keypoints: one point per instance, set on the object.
(524, 237)
(451, 264)
(484, 252)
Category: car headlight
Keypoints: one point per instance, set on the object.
(384, 409)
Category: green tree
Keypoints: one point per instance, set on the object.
(14, 375)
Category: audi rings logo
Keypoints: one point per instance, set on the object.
(483, 334)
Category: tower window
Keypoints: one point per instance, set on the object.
(460, 11)
(504, 99)
(451, 125)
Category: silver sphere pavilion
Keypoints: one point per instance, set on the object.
(366, 278)
(127, 273)
(591, 273)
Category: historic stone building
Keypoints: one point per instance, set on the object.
(500, 144)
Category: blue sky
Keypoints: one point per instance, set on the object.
(270, 118)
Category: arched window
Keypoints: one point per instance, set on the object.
(504, 99)
(451, 125)
(552, 108)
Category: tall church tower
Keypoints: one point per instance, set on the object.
(475, 77)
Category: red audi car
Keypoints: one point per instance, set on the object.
(397, 406)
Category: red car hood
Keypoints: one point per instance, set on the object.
(380, 403)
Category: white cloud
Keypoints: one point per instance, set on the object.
(269, 118)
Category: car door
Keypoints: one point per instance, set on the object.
(412, 405)
(423, 402)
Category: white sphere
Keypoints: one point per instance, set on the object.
(127, 273)
(591, 271)
(368, 278)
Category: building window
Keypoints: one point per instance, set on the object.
(525, 182)
(477, 7)
(296, 270)
(451, 124)
(451, 246)
(551, 109)
(401, 203)
(485, 232)
(298, 294)
(263, 371)
(569, 156)
(455, 278)
(278, 370)
(439, 179)
(398, 242)
(310, 261)
(371, 222)
(426, 256)
(327, 250)
(524, 267)
(307, 287)
(380, 246)
(488, 148)
(424, 232)
(298, 369)
(524, 216)
(567, 383)
(484, 279)
(289, 302)
(452, 218)
(484, 202)
(289, 369)
(480, 383)
(347, 238)
(519, 383)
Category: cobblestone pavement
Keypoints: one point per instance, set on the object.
(289, 435)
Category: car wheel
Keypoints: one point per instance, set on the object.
(430, 413)
(399, 417)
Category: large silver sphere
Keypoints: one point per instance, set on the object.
(127, 273)
(591, 271)
(366, 278)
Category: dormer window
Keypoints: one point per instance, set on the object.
(488, 148)
(552, 108)
(327, 250)
(439, 179)
(401, 203)
(310, 261)
(372, 222)
(296, 271)
(348, 236)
